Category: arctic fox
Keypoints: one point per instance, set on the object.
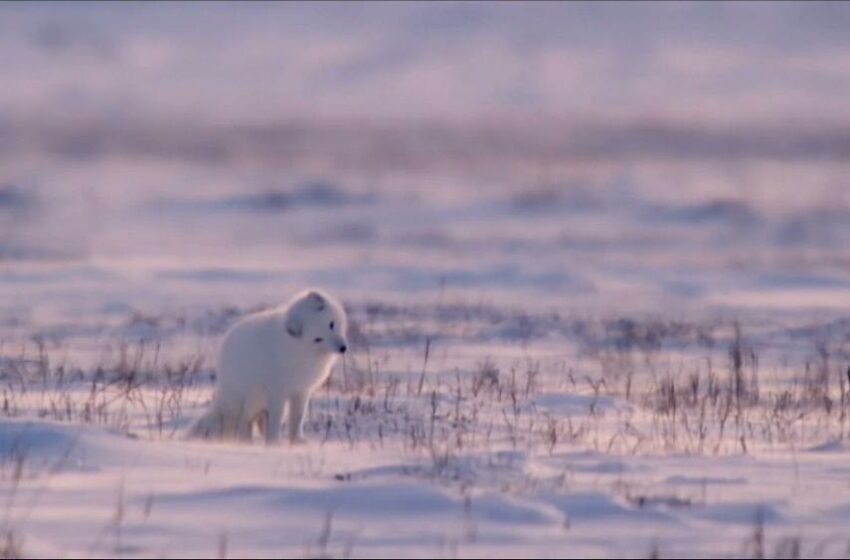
(272, 358)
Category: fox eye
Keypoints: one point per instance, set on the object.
(317, 340)
(332, 325)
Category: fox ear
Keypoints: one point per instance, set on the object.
(317, 300)
(294, 326)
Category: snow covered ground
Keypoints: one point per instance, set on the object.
(599, 288)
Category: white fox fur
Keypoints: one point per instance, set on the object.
(270, 359)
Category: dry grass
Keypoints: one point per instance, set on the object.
(716, 400)
(638, 393)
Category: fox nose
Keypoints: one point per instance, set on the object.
(342, 349)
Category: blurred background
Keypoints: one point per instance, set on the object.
(666, 158)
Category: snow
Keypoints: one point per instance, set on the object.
(106, 494)
(594, 257)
